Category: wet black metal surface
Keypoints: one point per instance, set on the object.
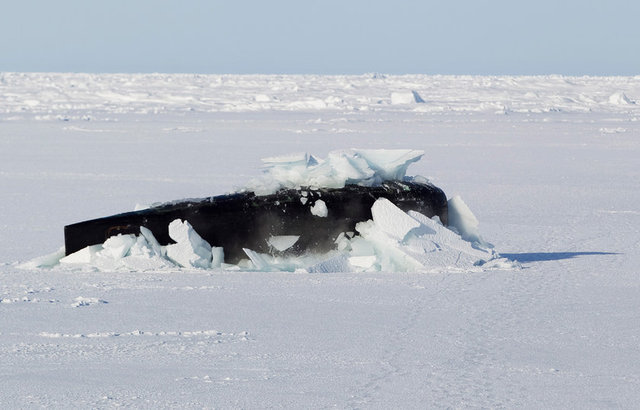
(244, 220)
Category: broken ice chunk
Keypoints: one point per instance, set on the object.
(258, 260)
(116, 247)
(348, 168)
(291, 160)
(390, 164)
(151, 240)
(342, 242)
(190, 250)
(363, 262)
(320, 209)
(84, 255)
(464, 221)
(217, 254)
(339, 263)
(141, 248)
(361, 247)
(342, 167)
(283, 242)
(392, 220)
(45, 261)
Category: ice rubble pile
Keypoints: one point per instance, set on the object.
(143, 252)
(342, 167)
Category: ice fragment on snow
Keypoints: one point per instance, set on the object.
(45, 261)
(464, 221)
(338, 263)
(364, 262)
(283, 242)
(319, 209)
(190, 250)
(392, 220)
(84, 255)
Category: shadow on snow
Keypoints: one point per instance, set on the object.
(549, 256)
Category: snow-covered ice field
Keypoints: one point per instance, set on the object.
(549, 165)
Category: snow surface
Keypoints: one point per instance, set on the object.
(549, 165)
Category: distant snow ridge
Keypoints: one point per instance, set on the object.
(353, 166)
(104, 97)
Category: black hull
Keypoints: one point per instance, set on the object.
(244, 220)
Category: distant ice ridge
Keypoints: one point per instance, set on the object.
(392, 241)
(342, 167)
(104, 97)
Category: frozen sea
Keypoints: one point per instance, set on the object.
(549, 165)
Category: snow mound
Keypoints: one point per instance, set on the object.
(392, 241)
(401, 98)
(619, 99)
(342, 167)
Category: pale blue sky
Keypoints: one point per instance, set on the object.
(572, 37)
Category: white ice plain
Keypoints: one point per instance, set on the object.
(548, 165)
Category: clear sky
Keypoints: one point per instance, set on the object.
(572, 37)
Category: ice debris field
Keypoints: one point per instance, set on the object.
(391, 241)
(403, 313)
